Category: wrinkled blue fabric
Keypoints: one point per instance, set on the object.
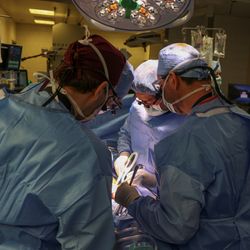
(141, 132)
(204, 171)
(107, 125)
(124, 84)
(55, 178)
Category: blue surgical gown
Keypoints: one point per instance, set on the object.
(55, 178)
(204, 177)
(141, 132)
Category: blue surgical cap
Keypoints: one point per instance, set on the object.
(125, 81)
(145, 74)
(183, 57)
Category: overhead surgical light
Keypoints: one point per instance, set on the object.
(136, 15)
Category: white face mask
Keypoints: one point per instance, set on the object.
(219, 80)
(79, 112)
(170, 106)
(154, 110)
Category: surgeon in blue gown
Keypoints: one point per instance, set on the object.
(146, 125)
(203, 168)
(56, 175)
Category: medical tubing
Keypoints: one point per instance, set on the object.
(217, 89)
(37, 74)
(52, 97)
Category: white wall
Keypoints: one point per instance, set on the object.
(34, 38)
(118, 39)
(236, 65)
(7, 29)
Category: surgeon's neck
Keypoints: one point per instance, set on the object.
(185, 107)
(81, 99)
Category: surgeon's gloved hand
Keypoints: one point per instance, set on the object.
(143, 178)
(120, 162)
(125, 194)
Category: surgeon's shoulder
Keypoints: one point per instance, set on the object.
(177, 141)
(102, 153)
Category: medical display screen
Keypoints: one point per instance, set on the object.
(239, 93)
(11, 56)
(22, 78)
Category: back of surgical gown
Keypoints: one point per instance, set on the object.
(55, 179)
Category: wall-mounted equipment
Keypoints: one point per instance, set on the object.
(143, 40)
(11, 57)
(136, 15)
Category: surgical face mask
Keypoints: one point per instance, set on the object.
(170, 106)
(154, 110)
(77, 110)
(219, 80)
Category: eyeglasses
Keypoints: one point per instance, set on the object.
(147, 104)
(157, 86)
(112, 102)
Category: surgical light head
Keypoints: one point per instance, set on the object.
(136, 15)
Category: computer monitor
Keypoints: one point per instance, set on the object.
(11, 56)
(239, 93)
(22, 78)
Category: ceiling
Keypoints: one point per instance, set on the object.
(66, 12)
(19, 10)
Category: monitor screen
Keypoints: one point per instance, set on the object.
(22, 78)
(11, 56)
(239, 93)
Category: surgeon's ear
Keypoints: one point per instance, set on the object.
(174, 81)
(101, 90)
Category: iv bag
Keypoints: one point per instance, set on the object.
(196, 39)
(207, 49)
(220, 45)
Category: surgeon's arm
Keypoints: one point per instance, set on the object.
(123, 147)
(174, 218)
(88, 222)
(124, 140)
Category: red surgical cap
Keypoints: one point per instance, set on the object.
(83, 56)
